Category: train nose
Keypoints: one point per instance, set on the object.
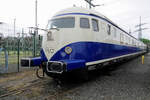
(50, 43)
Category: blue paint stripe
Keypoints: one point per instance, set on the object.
(93, 15)
(83, 52)
(93, 51)
(71, 14)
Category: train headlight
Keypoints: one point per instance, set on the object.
(68, 50)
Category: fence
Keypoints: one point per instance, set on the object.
(3, 61)
(15, 48)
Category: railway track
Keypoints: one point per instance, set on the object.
(27, 86)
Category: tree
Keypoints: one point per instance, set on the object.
(146, 41)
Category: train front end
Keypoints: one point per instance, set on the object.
(58, 54)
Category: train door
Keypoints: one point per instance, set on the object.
(109, 33)
(95, 29)
(85, 27)
(103, 31)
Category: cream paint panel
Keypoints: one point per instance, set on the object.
(50, 47)
(104, 37)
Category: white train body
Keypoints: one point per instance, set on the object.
(81, 37)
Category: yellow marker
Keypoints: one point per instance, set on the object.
(142, 59)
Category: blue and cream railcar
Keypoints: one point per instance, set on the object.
(78, 38)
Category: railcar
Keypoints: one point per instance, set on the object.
(78, 38)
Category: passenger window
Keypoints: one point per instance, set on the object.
(115, 32)
(109, 29)
(84, 23)
(103, 25)
(132, 42)
(95, 25)
(121, 38)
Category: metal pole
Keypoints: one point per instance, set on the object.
(36, 13)
(140, 32)
(22, 44)
(35, 32)
(14, 26)
(140, 28)
(34, 44)
(14, 34)
(90, 4)
(18, 50)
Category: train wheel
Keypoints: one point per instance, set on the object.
(38, 75)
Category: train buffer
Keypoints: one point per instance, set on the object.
(31, 62)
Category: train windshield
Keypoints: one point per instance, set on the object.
(67, 22)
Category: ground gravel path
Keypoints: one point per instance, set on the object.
(127, 81)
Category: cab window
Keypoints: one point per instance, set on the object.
(67, 22)
(84, 23)
(95, 25)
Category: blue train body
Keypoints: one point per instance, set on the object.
(84, 52)
(77, 38)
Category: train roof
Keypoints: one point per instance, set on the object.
(79, 10)
(84, 11)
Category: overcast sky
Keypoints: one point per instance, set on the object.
(125, 13)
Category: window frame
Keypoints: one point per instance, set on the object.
(62, 18)
(84, 24)
(97, 25)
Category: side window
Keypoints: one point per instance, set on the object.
(103, 25)
(95, 25)
(115, 32)
(126, 39)
(132, 42)
(84, 23)
(121, 38)
(109, 29)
